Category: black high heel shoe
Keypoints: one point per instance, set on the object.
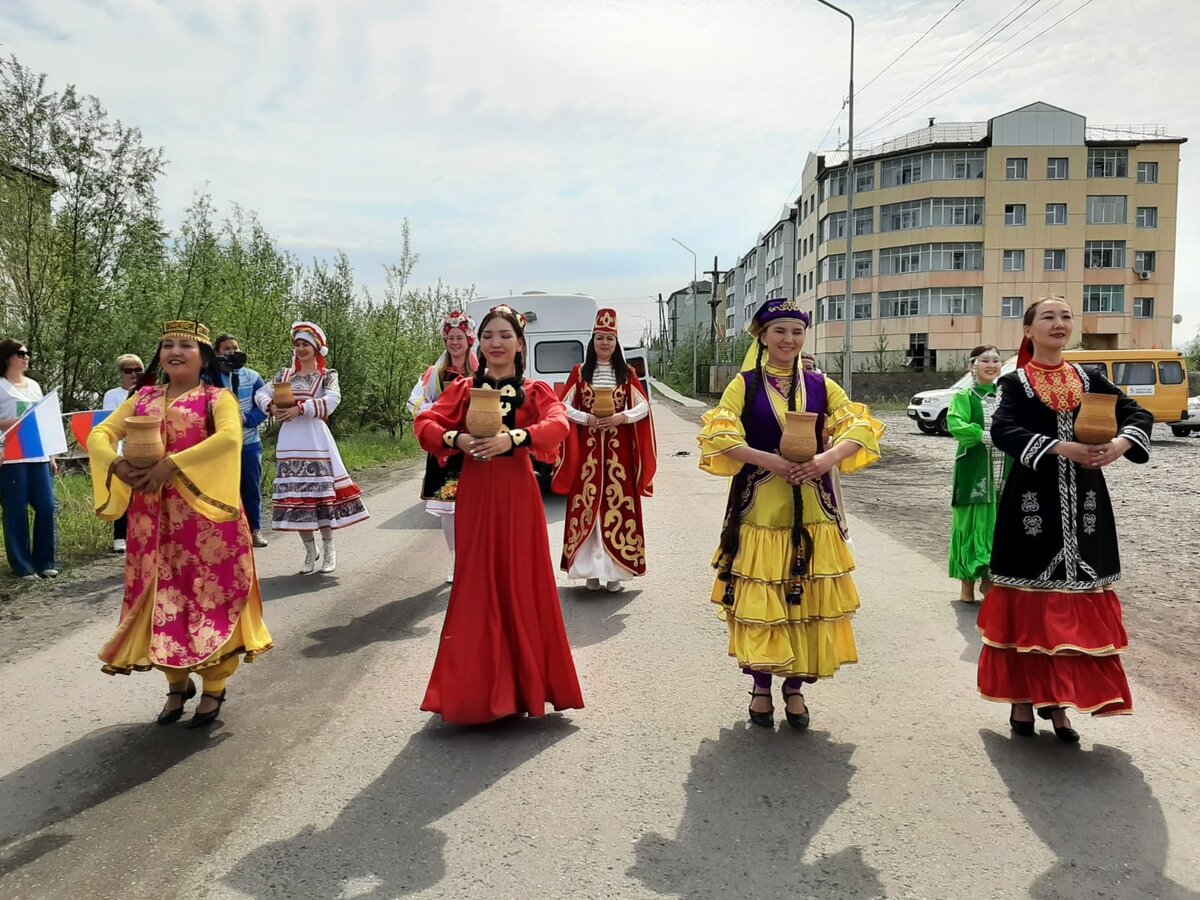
(1024, 729)
(1066, 734)
(199, 720)
(762, 719)
(174, 715)
(799, 721)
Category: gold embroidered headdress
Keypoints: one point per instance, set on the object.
(187, 328)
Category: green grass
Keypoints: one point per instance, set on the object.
(83, 537)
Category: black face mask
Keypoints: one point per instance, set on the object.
(232, 361)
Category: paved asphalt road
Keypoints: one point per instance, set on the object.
(324, 779)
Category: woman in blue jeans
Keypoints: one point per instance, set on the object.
(27, 483)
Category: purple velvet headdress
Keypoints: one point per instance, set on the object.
(778, 308)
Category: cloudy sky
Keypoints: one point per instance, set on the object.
(560, 144)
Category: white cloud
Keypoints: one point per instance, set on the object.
(559, 145)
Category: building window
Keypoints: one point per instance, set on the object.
(834, 185)
(905, 170)
(931, 301)
(1017, 168)
(1056, 214)
(1104, 298)
(1147, 217)
(1143, 307)
(1104, 255)
(1110, 210)
(1012, 307)
(1014, 260)
(931, 258)
(833, 226)
(833, 268)
(1014, 214)
(862, 264)
(864, 179)
(1108, 162)
(1147, 173)
(1058, 168)
(956, 211)
(832, 309)
(1143, 260)
(1056, 260)
(864, 220)
(862, 306)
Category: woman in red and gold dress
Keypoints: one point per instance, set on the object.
(1051, 623)
(504, 648)
(607, 465)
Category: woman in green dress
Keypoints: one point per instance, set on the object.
(976, 474)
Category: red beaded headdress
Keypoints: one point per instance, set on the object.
(606, 322)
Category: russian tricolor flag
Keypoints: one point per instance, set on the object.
(39, 432)
(82, 424)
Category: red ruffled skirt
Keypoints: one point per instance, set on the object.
(1052, 648)
(504, 648)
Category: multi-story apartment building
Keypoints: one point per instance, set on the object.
(687, 311)
(958, 227)
(768, 270)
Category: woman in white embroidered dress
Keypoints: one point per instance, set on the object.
(313, 490)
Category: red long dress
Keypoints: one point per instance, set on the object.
(504, 648)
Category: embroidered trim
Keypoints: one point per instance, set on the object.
(449, 437)
(1043, 584)
(1024, 379)
(1136, 436)
(1039, 445)
(519, 436)
(191, 486)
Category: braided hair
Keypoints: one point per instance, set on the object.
(731, 529)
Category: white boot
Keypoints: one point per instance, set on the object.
(593, 584)
(450, 574)
(614, 587)
(330, 556)
(310, 558)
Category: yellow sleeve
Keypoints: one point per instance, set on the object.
(209, 473)
(111, 494)
(721, 430)
(853, 422)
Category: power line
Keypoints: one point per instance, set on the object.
(997, 62)
(1016, 12)
(910, 46)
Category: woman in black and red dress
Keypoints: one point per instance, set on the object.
(1051, 623)
(504, 648)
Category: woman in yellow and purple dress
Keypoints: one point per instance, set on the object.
(783, 583)
(191, 591)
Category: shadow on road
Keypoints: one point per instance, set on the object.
(276, 587)
(592, 617)
(97, 767)
(556, 508)
(755, 800)
(967, 615)
(393, 621)
(383, 844)
(1096, 813)
(413, 519)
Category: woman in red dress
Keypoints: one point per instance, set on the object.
(504, 648)
(607, 465)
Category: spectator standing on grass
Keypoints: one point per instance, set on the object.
(129, 368)
(245, 383)
(29, 483)
(313, 490)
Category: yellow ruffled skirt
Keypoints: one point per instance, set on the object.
(810, 639)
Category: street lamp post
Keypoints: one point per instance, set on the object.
(695, 322)
(848, 307)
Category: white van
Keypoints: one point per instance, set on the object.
(557, 330)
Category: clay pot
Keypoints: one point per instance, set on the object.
(484, 418)
(603, 405)
(799, 441)
(285, 398)
(143, 441)
(1096, 422)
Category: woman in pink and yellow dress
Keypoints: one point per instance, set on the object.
(191, 591)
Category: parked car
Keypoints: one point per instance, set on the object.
(928, 408)
(1191, 422)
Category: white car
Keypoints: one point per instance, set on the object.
(1191, 424)
(928, 408)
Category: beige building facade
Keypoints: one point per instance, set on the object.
(959, 227)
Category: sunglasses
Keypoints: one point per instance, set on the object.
(132, 371)
(24, 354)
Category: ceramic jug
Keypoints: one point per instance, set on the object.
(143, 441)
(484, 418)
(1096, 422)
(799, 441)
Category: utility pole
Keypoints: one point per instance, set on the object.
(713, 302)
(662, 330)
